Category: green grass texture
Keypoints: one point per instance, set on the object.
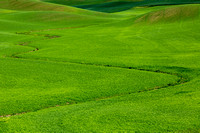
(66, 69)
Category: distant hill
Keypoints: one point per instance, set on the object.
(117, 5)
(34, 5)
(173, 14)
(85, 2)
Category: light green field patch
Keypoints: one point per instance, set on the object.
(6, 11)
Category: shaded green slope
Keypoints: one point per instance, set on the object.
(165, 14)
(125, 5)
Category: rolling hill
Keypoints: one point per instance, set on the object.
(118, 5)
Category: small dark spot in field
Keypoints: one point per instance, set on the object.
(15, 56)
(24, 43)
(157, 71)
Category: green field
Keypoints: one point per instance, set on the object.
(73, 66)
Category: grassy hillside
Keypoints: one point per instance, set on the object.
(34, 5)
(129, 32)
(175, 14)
(28, 15)
(64, 69)
(93, 2)
(84, 2)
(49, 19)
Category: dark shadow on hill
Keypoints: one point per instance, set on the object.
(111, 7)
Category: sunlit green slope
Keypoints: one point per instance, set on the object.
(35, 5)
(155, 34)
(84, 2)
